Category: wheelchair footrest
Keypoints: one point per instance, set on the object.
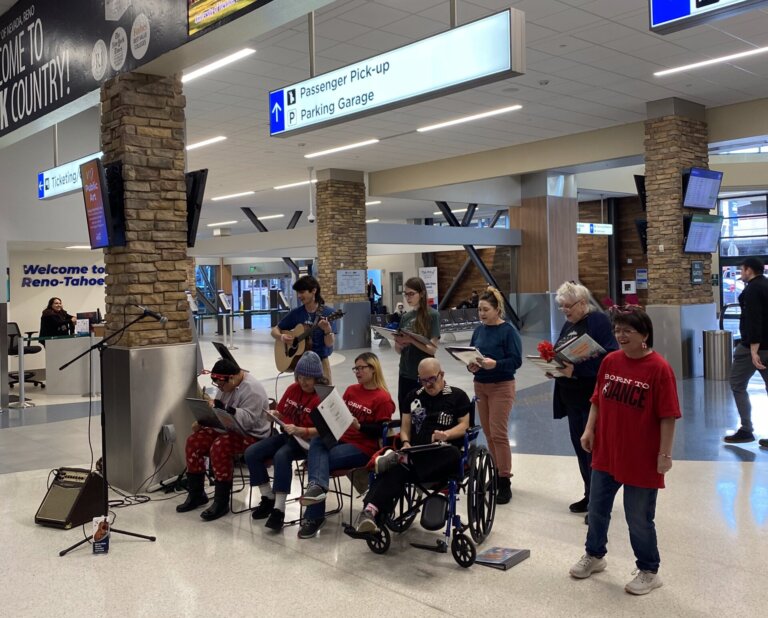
(440, 546)
(351, 532)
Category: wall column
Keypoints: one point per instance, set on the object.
(676, 138)
(342, 244)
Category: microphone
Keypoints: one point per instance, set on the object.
(153, 314)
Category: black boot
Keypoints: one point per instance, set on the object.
(504, 493)
(220, 506)
(196, 496)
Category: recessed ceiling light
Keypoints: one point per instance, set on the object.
(233, 195)
(455, 212)
(206, 142)
(208, 68)
(449, 123)
(321, 153)
(270, 217)
(220, 223)
(295, 184)
(371, 220)
(706, 63)
(374, 203)
(79, 247)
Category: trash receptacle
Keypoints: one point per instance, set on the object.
(718, 354)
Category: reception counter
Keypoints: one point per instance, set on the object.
(80, 375)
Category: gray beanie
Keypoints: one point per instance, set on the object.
(310, 365)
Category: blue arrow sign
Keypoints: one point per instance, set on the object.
(40, 186)
(276, 112)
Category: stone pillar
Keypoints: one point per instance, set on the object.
(342, 244)
(142, 125)
(675, 139)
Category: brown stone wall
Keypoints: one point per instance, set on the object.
(342, 239)
(142, 125)
(497, 259)
(672, 143)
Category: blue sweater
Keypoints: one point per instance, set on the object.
(502, 344)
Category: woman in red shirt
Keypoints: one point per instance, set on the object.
(629, 432)
(371, 406)
(294, 418)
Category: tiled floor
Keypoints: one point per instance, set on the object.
(711, 521)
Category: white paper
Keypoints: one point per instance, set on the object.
(336, 413)
(465, 354)
(302, 442)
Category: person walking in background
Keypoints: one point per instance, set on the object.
(422, 320)
(372, 292)
(630, 432)
(572, 393)
(499, 343)
(752, 352)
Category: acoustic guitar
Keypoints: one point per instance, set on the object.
(288, 354)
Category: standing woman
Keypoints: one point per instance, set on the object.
(630, 432)
(499, 343)
(55, 321)
(424, 321)
(571, 398)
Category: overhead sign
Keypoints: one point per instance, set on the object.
(205, 13)
(486, 50)
(63, 179)
(598, 229)
(672, 15)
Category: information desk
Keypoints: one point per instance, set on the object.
(74, 380)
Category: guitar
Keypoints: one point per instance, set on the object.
(288, 354)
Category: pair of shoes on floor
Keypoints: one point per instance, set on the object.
(366, 523)
(763, 443)
(740, 437)
(643, 583)
(582, 506)
(265, 508)
(386, 461)
(275, 520)
(314, 494)
(310, 528)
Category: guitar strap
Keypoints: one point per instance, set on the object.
(318, 317)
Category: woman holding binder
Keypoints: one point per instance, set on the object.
(371, 406)
(572, 393)
(293, 416)
(499, 343)
(424, 321)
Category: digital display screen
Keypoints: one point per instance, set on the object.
(95, 213)
(205, 13)
(701, 188)
(703, 234)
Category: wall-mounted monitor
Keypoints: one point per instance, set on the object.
(702, 233)
(642, 232)
(195, 191)
(700, 188)
(103, 197)
(640, 185)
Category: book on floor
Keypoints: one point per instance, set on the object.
(502, 558)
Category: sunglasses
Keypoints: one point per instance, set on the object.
(431, 380)
(625, 309)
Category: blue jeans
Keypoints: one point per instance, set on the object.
(283, 451)
(639, 509)
(321, 460)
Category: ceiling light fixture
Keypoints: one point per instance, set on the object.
(371, 220)
(450, 123)
(79, 247)
(206, 142)
(208, 68)
(220, 223)
(374, 203)
(270, 217)
(232, 196)
(295, 184)
(321, 153)
(705, 63)
(455, 212)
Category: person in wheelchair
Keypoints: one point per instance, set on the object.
(436, 414)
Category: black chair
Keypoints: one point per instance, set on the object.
(14, 337)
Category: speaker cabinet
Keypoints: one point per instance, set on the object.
(74, 498)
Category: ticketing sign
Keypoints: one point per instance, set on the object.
(63, 179)
(486, 50)
(672, 15)
(597, 229)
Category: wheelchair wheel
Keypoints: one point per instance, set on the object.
(379, 543)
(395, 520)
(463, 550)
(481, 494)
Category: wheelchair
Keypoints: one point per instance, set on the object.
(438, 502)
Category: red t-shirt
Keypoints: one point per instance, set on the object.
(367, 406)
(296, 405)
(632, 396)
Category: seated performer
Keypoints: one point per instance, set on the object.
(244, 397)
(435, 412)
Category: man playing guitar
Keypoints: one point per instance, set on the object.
(312, 312)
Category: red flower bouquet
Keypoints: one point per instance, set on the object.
(546, 350)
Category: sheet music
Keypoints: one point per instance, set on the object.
(336, 413)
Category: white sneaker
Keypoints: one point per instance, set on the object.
(644, 582)
(587, 565)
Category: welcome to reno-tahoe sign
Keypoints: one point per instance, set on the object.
(53, 52)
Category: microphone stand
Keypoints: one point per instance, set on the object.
(101, 346)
